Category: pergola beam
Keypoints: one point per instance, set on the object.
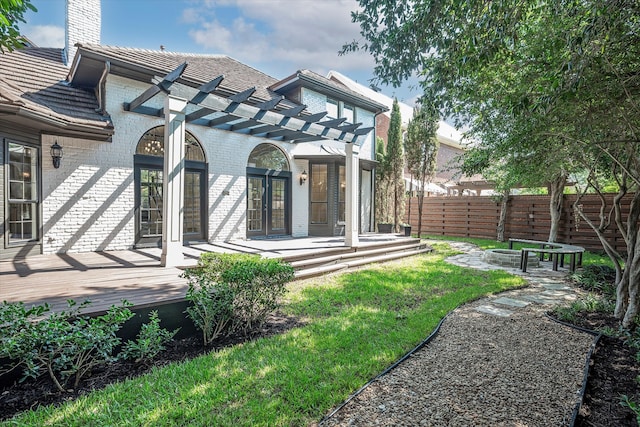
(162, 86)
(259, 119)
(206, 89)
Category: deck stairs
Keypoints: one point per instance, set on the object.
(335, 259)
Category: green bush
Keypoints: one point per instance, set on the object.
(65, 344)
(17, 340)
(235, 290)
(150, 341)
(597, 278)
(211, 307)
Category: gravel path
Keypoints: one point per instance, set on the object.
(496, 362)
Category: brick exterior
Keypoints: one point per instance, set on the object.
(88, 203)
(83, 21)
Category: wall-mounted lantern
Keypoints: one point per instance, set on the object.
(303, 177)
(56, 154)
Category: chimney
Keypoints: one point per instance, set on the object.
(82, 25)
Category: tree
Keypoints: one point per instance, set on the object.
(395, 164)
(11, 13)
(421, 148)
(547, 87)
(382, 200)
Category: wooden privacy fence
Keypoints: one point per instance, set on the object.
(528, 217)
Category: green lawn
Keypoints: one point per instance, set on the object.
(358, 324)
(587, 259)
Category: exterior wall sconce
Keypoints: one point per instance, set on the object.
(303, 177)
(56, 154)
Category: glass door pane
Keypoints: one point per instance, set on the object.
(192, 208)
(150, 203)
(255, 208)
(278, 206)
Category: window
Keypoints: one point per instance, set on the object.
(349, 113)
(332, 108)
(319, 194)
(152, 144)
(267, 156)
(342, 188)
(23, 193)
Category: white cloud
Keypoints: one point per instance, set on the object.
(45, 35)
(294, 34)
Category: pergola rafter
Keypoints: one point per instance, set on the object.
(234, 113)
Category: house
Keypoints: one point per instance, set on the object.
(447, 172)
(108, 148)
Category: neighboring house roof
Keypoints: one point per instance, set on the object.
(446, 133)
(33, 89)
(312, 80)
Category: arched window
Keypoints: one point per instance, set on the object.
(267, 156)
(152, 144)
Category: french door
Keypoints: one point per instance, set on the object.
(149, 205)
(267, 205)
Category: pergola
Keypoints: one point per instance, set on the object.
(199, 106)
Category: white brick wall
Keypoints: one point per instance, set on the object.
(88, 204)
(83, 22)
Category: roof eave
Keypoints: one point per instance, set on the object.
(59, 125)
(301, 79)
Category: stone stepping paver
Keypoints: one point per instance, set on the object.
(556, 294)
(489, 309)
(511, 302)
(549, 287)
(542, 299)
(557, 287)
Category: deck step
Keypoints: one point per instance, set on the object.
(311, 267)
(315, 261)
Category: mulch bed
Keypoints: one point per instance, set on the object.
(16, 397)
(612, 373)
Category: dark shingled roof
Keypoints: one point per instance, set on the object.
(201, 68)
(33, 80)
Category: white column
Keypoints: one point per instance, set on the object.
(173, 187)
(352, 168)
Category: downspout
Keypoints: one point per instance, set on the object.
(101, 92)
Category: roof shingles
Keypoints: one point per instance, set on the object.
(34, 78)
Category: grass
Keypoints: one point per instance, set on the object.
(359, 323)
(588, 258)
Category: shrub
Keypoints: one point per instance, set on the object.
(17, 340)
(258, 284)
(65, 344)
(235, 292)
(597, 278)
(150, 340)
(211, 307)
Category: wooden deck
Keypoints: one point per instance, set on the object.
(106, 278)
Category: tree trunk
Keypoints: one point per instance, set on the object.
(420, 204)
(631, 276)
(555, 205)
(503, 215)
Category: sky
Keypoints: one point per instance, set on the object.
(277, 37)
